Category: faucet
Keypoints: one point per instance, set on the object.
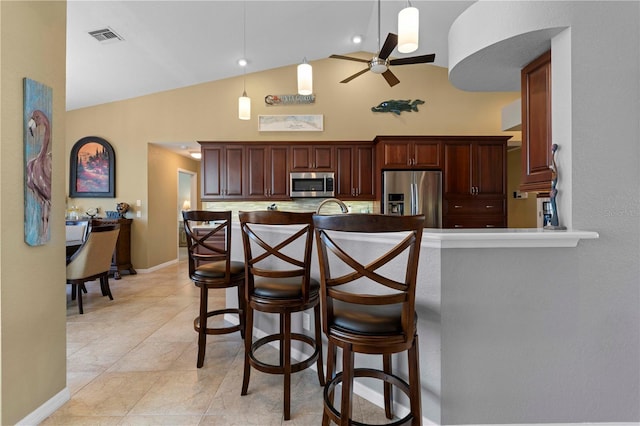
(342, 205)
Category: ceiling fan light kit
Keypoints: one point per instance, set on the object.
(380, 64)
(305, 78)
(408, 29)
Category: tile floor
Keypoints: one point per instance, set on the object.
(132, 361)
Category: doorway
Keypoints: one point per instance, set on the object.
(187, 199)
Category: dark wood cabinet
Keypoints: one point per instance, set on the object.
(312, 158)
(474, 184)
(408, 152)
(222, 171)
(121, 260)
(536, 125)
(355, 178)
(475, 168)
(267, 172)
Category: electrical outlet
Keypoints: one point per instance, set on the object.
(138, 213)
(306, 321)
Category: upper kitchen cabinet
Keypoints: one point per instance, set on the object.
(355, 172)
(536, 125)
(306, 158)
(475, 166)
(267, 172)
(408, 152)
(222, 167)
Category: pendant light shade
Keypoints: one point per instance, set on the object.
(244, 107)
(408, 29)
(305, 78)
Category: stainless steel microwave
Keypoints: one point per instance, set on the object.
(312, 185)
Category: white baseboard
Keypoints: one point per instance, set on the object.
(46, 409)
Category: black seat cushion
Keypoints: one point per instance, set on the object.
(367, 319)
(283, 288)
(216, 270)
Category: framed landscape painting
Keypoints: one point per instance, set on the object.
(93, 169)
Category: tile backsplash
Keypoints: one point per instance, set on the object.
(299, 205)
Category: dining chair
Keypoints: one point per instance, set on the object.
(92, 261)
(277, 249)
(368, 305)
(208, 235)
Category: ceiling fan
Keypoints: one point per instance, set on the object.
(380, 64)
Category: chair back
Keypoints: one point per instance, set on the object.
(208, 238)
(277, 245)
(77, 230)
(354, 271)
(95, 254)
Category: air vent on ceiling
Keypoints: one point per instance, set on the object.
(105, 34)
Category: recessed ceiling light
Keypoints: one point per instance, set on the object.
(357, 39)
(242, 62)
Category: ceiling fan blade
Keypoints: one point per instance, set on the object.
(359, 73)
(413, 60)
(390, 77)
(389, 44)
(348, 58)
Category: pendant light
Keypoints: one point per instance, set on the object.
(305, 78)
(408, 29)
(244, 101)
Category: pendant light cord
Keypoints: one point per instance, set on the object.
(244, 46)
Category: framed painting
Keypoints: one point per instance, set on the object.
(93, 169)
(38, 107)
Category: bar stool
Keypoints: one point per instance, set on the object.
(208, 236)
(368, 306)
(277, 261)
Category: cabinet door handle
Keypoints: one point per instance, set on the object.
(457, 226)
(489, 207)
(457, 207)
(490, 226)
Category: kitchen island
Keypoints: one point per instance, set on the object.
(482, 329)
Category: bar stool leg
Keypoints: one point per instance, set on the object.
(347, 385)
(248, 338)
(241, 307)
(318, 339)
(202, 324)
(388, 389)
(414, 383)
(286, 350)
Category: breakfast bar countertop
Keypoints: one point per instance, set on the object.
(504, 238)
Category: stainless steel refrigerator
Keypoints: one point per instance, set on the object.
(410, 192)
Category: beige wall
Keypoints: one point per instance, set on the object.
(522, 211)
(209, 112)
(32, 279)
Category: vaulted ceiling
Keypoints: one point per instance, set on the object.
(172, 44)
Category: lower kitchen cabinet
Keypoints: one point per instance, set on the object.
(474, 213)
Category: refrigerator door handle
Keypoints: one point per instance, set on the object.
(414, 198)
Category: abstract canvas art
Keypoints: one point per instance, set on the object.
(38, 106)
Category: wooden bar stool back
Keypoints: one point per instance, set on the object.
(368, 302)
(208, 236)
(277, 248)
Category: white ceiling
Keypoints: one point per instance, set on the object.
(173, 44)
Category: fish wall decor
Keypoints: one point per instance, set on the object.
(397, 107)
